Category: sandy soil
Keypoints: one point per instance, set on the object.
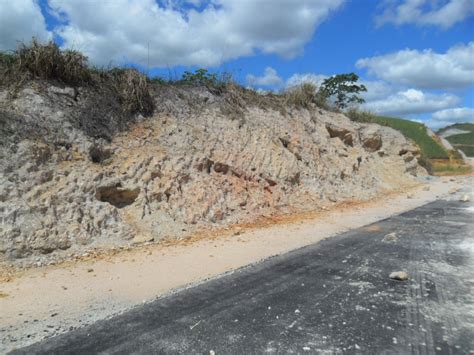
(50, 300)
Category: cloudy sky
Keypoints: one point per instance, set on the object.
(415, 56)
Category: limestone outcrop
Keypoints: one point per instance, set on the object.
(73, 179)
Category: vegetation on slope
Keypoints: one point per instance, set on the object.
(49, 62)
(132, 89)
(415, 131)
(434, 157)
(461, 141)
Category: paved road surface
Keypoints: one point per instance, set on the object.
(332, 297)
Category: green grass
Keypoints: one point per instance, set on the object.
(467, 149)
(463, 138)
(463, 141)
(415, 131)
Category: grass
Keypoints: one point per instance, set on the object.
(462, 141)
(434, 157)
(463, 138)
(305, 95)
(467, 149)
(447, 167)
(415, 131)
(48, 62)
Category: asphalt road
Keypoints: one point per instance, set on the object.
(331, 297)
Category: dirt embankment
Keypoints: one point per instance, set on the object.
(78, 175)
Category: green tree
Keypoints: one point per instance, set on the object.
(344, 89)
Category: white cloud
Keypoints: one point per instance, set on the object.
(443, 13)
(450, 116)
(411, 101)
(297, 79)
(20, 20)
(376, 90)
(458, 114)
(425, 69)
(270, 78)
(121, 30)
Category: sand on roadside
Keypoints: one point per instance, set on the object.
(51, 300)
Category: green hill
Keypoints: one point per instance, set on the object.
(461, 141)
(462, 126)
(415, 131)
(434, 157)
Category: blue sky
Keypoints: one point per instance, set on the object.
(415, 56)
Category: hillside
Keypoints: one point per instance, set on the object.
(461, 136)
(415, 131)
(460, 126)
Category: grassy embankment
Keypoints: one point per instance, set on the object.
(462, 141)
(434, 156)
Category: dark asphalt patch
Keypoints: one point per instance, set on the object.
(335, 296)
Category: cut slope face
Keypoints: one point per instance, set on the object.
(195, 164)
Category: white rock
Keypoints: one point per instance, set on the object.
(399, 276)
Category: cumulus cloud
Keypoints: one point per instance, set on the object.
(123, 30)
(425, 69)
(458, 114)
(447, 117)
(411, 101)
(443, 13)
(20, 20)
(312, 78)
(270, 78)
(376, 90)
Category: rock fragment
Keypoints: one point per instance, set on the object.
(390, 238)
(140, 239)
(399, 276)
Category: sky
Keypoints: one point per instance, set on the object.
(416, 57)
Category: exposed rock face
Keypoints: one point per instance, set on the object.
(371, 137)
(64, 185)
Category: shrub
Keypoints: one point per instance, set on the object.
(200, 77)
(158, 80)
(6, 59)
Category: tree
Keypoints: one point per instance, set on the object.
(344, 88)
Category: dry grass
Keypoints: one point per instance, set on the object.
(133, 90)
(442, 167)
(301, 96)
(47, 61)
(305, 96)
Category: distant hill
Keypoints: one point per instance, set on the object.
(461, 136)
(435, 155)
(460, 126)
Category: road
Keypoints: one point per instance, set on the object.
(332, 297)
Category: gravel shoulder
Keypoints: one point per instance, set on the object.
(51, 300)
